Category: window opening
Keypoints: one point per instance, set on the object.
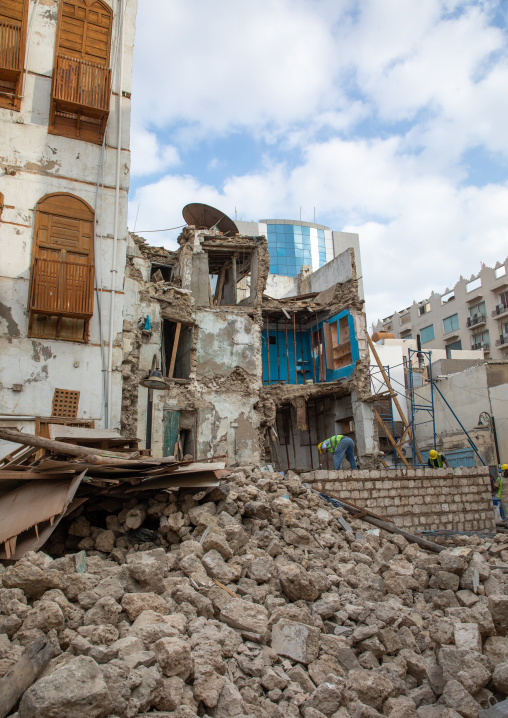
(230, 280)
(503, 299)
(479, 309)
(13, 30)
(62, 277)
(448, 297)
(481, 340)
(453, 346)
(160, 272)
(451, 324)
(405, 318)
(474, 284)
(427, 334)
(81, 87)
(500, 271)
(176, 349)
(65, 403)
(424, 309)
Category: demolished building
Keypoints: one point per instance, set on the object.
(250, 376)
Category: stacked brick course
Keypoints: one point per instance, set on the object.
(416, 499)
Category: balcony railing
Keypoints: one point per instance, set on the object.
(10, 48)
(500, 309)
(62, 288)
(476, 319)
(482, 345)
(81, 85)
(502, 341)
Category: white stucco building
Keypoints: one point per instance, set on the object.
(65, 84)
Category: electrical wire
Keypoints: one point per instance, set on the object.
(144, 231)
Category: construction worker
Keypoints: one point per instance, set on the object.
(338, 446)
(502, 492)
(437, 461)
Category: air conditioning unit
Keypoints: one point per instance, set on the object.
(407, 451)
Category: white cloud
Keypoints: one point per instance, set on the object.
(418, 231)
(149, 156)
(377, 100)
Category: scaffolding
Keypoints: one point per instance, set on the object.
(383, 403)
(420, 405)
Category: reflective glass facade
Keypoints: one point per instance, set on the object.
(292, 245)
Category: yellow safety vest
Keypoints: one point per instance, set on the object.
(334, 440)
(437, 463)
(500, 486)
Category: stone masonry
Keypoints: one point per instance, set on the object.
(416, 499)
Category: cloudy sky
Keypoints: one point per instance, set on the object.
(390, 117)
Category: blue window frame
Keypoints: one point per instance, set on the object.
(450, 324)
(427, 334)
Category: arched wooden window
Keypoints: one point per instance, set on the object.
(62, 280)
(81, 74)
(13, 24)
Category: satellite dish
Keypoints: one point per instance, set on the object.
(202, 215)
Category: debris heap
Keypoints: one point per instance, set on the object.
(252, 600)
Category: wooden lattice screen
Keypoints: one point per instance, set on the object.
(65, 403)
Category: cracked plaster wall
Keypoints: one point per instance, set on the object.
(33, 164)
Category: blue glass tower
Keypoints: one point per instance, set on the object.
(292, 244)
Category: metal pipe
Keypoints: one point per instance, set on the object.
(268, 348)
(325, 428)
(116, 216)
(301, 349)
(294, 345)
(310, 439)
(313, 350)
(292, 436)
(278, 351)
(495, 439)
(285, 436)
(287, 348)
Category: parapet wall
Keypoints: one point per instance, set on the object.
(416, 499)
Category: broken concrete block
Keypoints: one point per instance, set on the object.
(245, 616)
(296, 640)
(75, 689)
(174, 657)
(467, 636)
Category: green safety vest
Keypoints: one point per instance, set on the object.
(437, 463)
(500, 486)
(334, 440)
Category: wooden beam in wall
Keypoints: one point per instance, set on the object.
(175, 349)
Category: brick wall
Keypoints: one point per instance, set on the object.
(415, 499)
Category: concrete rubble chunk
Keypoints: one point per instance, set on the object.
(296, 640)
(245, 616)
(76, 689)
(455, 696)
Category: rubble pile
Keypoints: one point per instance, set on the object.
(256, 602)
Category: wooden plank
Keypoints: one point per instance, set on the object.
(24, 673)
(6, 475)
(327, 337)
(391, 439)
(59, 447)
(175, 349)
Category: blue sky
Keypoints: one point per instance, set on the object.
(388, 116)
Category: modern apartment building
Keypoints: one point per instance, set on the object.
(65, 83)
(296, 246)
(472, 315)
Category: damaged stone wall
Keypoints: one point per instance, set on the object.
(224, 379)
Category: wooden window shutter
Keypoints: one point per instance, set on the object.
(13, 26)
(62, 282)
(327, 334)
(85, 30)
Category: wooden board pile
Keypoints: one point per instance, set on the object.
(44, 480)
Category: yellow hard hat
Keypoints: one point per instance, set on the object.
(504, 467)
(319, 447)
(433, 454)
